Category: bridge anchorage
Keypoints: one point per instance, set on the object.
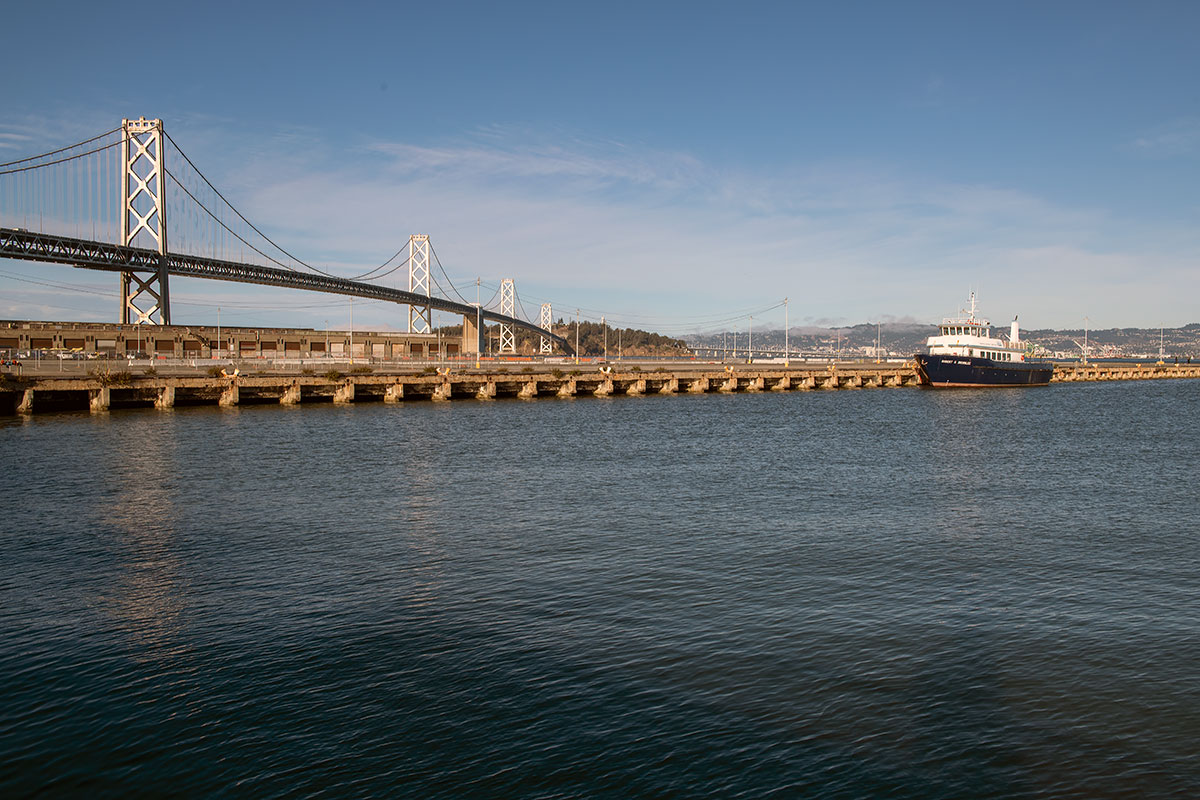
(130, 201)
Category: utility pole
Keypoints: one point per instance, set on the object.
(604, 327)
(786, 354)
(478, 319)
(218, 332)
(618, 344)
(577, 336)
(351, 330)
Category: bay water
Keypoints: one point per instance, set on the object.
(873, 593)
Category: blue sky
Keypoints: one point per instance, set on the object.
(670, 165)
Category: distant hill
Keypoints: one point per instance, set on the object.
(903, 339)
(625, 342)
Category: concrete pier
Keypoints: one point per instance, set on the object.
(101, 391)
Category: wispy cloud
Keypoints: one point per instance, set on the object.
(605, 225)
(664, 239)
(1180, 137)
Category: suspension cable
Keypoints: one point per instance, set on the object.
(254, 228)
(61, 149)
(447, 277)
(52, 163)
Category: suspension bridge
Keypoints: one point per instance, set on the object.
(131, 202)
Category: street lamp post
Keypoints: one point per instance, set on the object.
(750, 342)
(577, 336)
(786, 360)
(1085, 346)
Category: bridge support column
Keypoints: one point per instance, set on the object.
(98, 399)
(669, 386)
(420, 318)
(567, 388)
(291, 395)
(143, 214)
(472, 340)
(166, 397)
(637, 387)
(783, 384)
(26, 404)
(487, 391)
(229, 397)
(393, 393)
(604, 389)
(755, 385)
(344, 393)
(443, 391)
(698, 386)
(528, 390)
(730, 384)
(508, 307)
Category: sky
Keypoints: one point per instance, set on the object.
(681, 167)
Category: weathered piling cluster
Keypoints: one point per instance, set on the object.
(100, 392)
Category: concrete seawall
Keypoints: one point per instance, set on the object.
(102, 391)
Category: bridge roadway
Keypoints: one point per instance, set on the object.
(165, 387)
(28, 246)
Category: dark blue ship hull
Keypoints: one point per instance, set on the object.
(945, 370)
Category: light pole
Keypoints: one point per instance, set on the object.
(577, 336)
(750, 343)
(604, 327)
(218, 331)
(1085, 347)
(786, 362)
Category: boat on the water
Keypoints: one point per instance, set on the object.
(964, 353)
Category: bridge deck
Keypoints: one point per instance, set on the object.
(46, 248)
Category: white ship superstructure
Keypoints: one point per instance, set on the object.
(971, 336)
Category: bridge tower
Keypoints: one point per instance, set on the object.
(508, 306)
(420, 319)
(546, 321)
(143, 211)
